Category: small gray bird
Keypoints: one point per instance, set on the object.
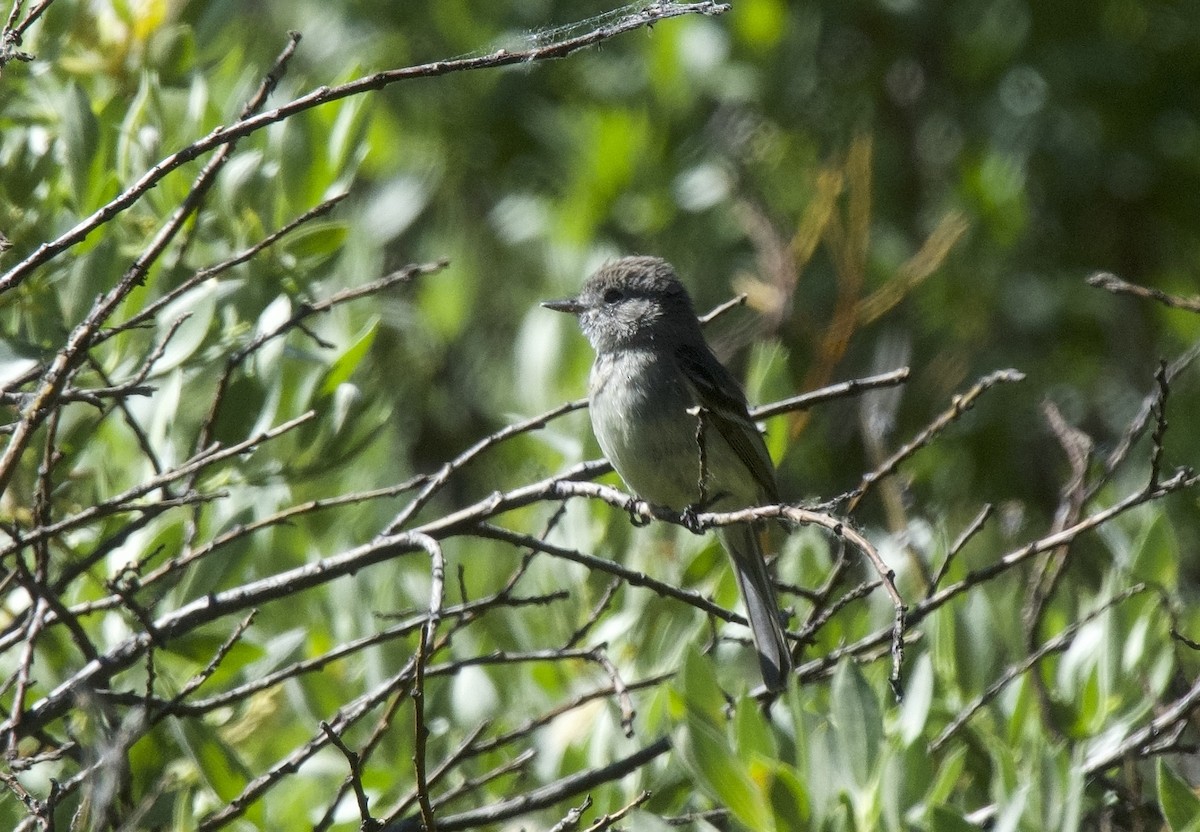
(664, 409)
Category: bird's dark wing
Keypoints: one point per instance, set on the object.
(718, 393)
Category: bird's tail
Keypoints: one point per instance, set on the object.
(762, 610)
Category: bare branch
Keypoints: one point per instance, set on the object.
(1110, 282)
(629, 576)
(570, 823)
(1160, 424)
(544, 796)
(368, 823)
(958, 407)
(960, 542)
(830, 393)
(1137, 425)
(417, 694)
(608, 820)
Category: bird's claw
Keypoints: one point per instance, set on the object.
(635, 517)
(691, 520)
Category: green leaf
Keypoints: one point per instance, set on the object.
(942, 819)
(1012, 809)
(346, 363)
(789, 799)
(997, 183)
(751, 730)
(318, 239)
(173, 50)
(1155, 555)
(949, 776)
(267, 357)
(346, 138)
(707, 752)
(700, 691)
(81, 135)
(1024, 703)
(1089, 716)
(914, 711)
(446, 303)
(1074, 785)
(1179, 803)
(196, 308)
(129, 149)
(217, 764)
(943, 632)
(857, 721)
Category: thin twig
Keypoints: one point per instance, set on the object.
(296, 319)
(960, 542)
(352, 759)
(816, 622)
(834, 391)
(424, 648)
(34, 13)
(570, 822)
(1046, 572)
(1159, 435)
(209, 669)
(543, 796)
(818, 666)
(1137, 425)
(154, 307)
(607, 821)
(438, 480)
(598, 610)
(516, 764)
(127, 501)
(960, 405)
(600, 656)
(533, 724)
(1114, 284)
(722, 308)
(624, 573)
(1140, 743)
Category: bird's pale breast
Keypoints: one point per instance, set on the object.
(651, 439)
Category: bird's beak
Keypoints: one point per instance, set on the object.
(571, 306)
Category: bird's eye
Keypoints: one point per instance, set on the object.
(613, 295)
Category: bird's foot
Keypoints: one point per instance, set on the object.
(691, 519)
(636, 518)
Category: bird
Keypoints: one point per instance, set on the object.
(675, 424)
